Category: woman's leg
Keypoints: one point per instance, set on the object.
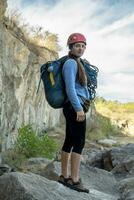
(64, 163)
(67, 146)
(79, 130)
(73, 146)
(75, 141)
(75, 166)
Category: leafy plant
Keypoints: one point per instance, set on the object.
(31, 145)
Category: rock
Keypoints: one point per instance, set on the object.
(126, 188)
(118, 160)
(97, 158)
(20, 186)
(38, 161)
(3, 5)
(52, 171)
(107, 142)
(123, 160)
(19, 78)
(99, 180)
(31, 187)
(96, 179)
(36, 165)
(93, 157)
(103, 185)
(107, 161)
(120, 153)
(5, 168)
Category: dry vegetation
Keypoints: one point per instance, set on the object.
(115, 109)
(27, 34)
(113, 119)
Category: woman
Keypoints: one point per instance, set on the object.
(73, 110)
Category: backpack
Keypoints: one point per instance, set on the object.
(54, 86)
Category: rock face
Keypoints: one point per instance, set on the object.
(19, 78)
(3, 5)
(19, 81)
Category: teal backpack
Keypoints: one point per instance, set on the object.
(54, 86)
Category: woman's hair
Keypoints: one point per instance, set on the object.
(81, 75)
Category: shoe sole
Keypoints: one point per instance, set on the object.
(77, 189)
(72, 187)
(63, 183)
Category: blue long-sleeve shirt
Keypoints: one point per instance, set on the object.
(73, 88)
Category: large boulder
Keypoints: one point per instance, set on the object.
(97, 180)
(20, 186)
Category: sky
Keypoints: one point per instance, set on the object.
(108, 26)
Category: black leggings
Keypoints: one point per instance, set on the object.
(75, 131)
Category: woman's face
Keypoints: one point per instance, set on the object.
(78, 49)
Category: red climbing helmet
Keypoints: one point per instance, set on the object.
(76, 37)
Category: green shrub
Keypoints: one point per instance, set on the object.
(31, 145)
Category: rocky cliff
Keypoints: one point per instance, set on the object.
(19, 76)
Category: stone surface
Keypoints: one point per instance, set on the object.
(19, 78)
(93, 157)
(126, 188)
(94, 178)
(3, 5)
(123, 160)
(38, 161)
(103, 184)
(35, 165)
(4, 169)
(107, 142)
(34, 187)
(19, 101)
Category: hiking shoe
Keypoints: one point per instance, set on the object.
(78, 186)
(62, 180)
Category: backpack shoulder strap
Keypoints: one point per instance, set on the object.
(63, 59)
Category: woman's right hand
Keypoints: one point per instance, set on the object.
(80, 116)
